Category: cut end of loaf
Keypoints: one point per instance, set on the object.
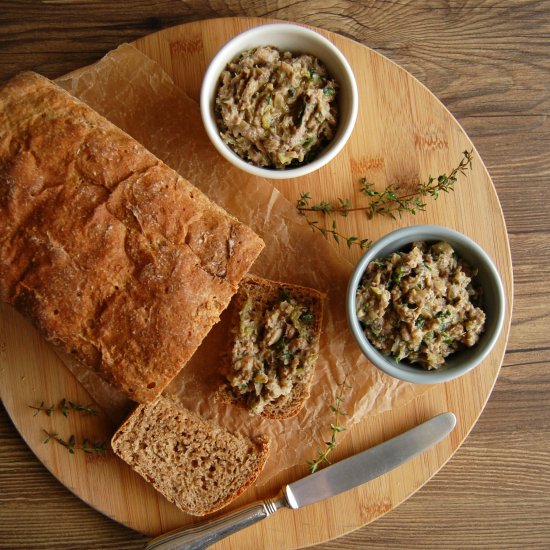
(196, 464)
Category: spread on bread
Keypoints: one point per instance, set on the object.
(275, 343)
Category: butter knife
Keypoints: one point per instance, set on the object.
(332, 480)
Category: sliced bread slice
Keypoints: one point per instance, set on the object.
(196, 464)
(274, 345)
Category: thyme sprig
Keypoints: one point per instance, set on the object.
(87, 410)
(64, 406)
(387, 202)
(42, 407)
(335, 427)
(337, 236)
(87, 446)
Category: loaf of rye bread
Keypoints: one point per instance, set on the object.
(196, 464)
(114, 257)
(273, 348)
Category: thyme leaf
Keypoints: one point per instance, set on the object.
(335, 428)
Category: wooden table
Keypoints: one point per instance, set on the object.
(491, 67)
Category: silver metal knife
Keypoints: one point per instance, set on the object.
(332, 480)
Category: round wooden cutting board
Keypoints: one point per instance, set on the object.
(403, 134)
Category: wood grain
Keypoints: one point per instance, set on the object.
(401, 134)
(501, 99)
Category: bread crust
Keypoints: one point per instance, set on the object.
(195, 477)
(114, 257)
(263, 290)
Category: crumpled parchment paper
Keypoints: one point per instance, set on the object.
(135, 93)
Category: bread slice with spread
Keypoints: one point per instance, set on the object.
(274, 346)
(196, 464)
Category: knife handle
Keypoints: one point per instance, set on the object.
(210, 532)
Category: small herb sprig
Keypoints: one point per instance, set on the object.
(387, 202)
(87, 446)
(335, 427)
(64, 406)
(47, 410)
(336, 235)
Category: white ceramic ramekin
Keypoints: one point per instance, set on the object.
(297, 39)
(487, 278)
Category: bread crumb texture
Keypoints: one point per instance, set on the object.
(194, 463)
(115, 258)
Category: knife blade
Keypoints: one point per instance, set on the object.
(330, 481)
